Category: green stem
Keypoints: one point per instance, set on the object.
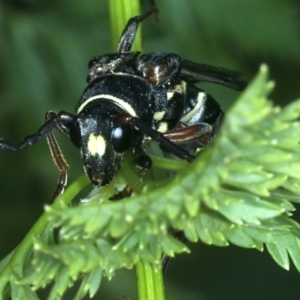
(120, 12)
(149, 282)
(149, 277)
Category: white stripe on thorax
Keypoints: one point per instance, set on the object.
(126, 106)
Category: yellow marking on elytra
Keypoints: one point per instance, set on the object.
(200, 100)
(163, 127)
(159, 115)
(170, 95)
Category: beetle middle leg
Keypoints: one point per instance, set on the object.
(142, 160)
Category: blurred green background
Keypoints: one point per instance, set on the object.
(45, 46)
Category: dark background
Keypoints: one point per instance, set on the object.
(44, 50)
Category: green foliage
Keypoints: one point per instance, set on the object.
(239, 190)
(44, 49)
(119, 12)
(248, 24)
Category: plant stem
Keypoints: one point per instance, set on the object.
(120, 12)
(149, 281)
(149, 277)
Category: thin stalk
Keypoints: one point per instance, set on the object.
(149, 282)
(120, 12)
(149, 277)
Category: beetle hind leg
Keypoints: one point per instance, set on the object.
(131, 28)
(201, 132)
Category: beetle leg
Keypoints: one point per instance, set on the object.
(156, 136)
(162, 140)
(170, 146)
(125, 193)
(141, 159)
(60, 163)
(178, 235)
(131, 28)
(61, 121)
(202, 132)
(29, 140)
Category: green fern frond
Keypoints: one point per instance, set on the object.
(240, 190)
(234, 192)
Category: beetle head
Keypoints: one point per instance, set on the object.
(102, 143)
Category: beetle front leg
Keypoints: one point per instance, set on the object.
(29, 140)
(60, 163)
(61, 121)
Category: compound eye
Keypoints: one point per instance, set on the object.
(121, 138)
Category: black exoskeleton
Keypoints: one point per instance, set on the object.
(131, 97)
